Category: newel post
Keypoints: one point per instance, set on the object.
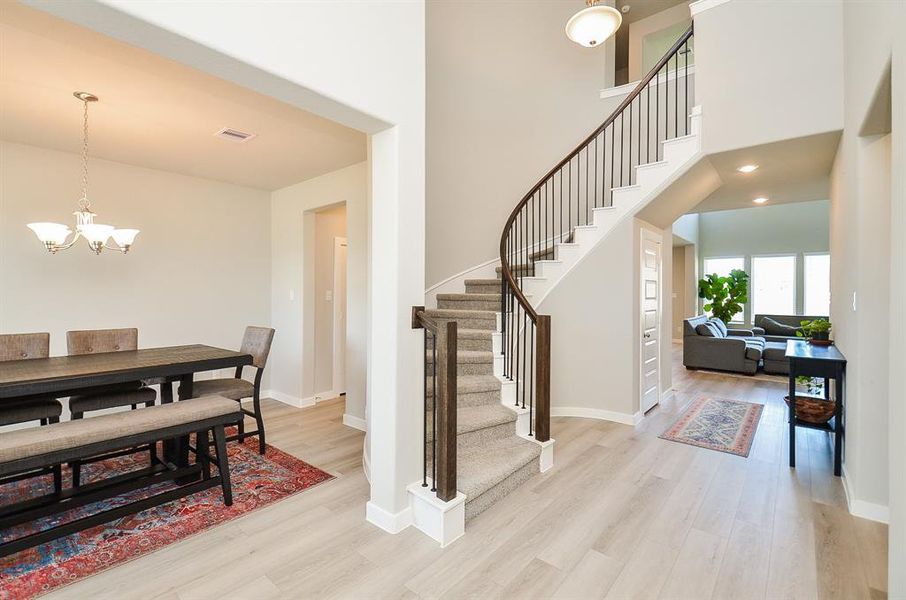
(446, 411)
(543, 379)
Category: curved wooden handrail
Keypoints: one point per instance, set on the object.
(506, 270)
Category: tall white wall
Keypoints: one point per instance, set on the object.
(595, 320)
(198, 272)
(868, 225)
(509, 95)
(361, 64)
(768, 70)
(293, 249)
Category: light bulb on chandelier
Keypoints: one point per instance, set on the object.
(54, 235)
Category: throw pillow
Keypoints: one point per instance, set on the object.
(772, 327)
(706, 329)
(720, 325)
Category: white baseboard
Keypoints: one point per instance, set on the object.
(287, 399)
(861, 508)
(390, 522)
(354, 422)
(596, 413)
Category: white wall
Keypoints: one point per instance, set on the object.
(198, 272)
(509, 95)
(595, 328)
(868, 222)
(785, 62)
(361, 64)
(293, 250)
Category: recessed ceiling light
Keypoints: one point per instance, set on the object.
(760, 200)
(747, 168)
(626, 8)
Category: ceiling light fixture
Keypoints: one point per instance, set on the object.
(592, 26)
(54, 235)
(760, 200)
(747, 168)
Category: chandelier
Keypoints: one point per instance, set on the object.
(593, 25)
(54, 235)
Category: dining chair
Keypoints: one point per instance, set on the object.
(257, 342)
(44, 410)
(133, 394)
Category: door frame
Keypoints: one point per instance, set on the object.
(338, 383)
(648, 235)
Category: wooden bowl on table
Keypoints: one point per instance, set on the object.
(812, 409)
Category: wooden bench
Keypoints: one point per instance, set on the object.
(25, 450)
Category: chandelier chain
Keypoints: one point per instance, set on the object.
(84, 203)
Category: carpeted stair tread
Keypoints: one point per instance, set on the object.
(457, 313)
(483, 282)
(482, 467)
(474, 418)
(475, 334)
(468, 356)
(472, 384)
(469, 296)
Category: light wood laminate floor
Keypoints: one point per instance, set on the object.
(623, 514)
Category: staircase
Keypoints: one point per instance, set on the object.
(501, 408)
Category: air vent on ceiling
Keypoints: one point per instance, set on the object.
(234, 135)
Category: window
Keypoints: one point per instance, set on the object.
(722, 267)
(817, 284)
(774, 285)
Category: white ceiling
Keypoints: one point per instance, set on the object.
(153, 112)
(796, 170)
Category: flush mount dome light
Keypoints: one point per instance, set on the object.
(747, 168)
(760, 200)
(592, 26)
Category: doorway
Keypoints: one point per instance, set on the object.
(650, 305)
(339, 315)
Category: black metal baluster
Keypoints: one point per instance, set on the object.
(648, 123)
(676, 96)
(531, 379)
(657, 116)
(524, 316)
(434, 413)
(425, 407)
(686, 77)
(613, 137)
(622, 154)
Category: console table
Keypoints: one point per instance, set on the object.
(818, 361)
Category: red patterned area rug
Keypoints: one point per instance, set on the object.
(717, 424)
(257, 482)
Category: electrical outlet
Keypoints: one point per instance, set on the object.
(854, 302)
(328, 295)
(292, 295)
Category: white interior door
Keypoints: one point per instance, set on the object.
(339, 315)
(650, 323)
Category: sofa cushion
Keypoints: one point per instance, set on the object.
(774, 351)
(772, 327)
(753, 349)
(720, 325)
(708, 330)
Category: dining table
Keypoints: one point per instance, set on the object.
(63, 376)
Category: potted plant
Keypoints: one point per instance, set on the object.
(817, 331)
(725, 295)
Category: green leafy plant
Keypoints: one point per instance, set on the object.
(819, 329)
(725, 295)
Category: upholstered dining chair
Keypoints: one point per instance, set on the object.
(25, 346)
(133, 394)
(257, 342)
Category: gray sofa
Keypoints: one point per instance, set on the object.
(774, 355)
(716, 347)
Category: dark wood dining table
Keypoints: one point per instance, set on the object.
(62, 376)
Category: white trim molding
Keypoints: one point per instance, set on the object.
(287, 399)
(354, 422)
(597, 413)
(861, 508)
(389, 522)
(442, 521)
(701, 6)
